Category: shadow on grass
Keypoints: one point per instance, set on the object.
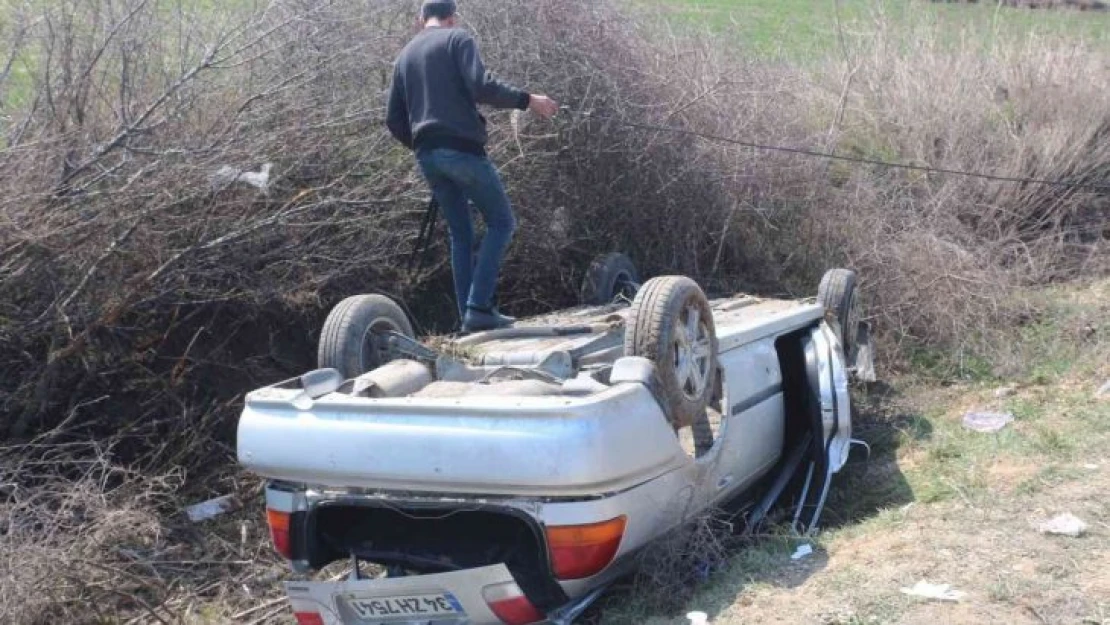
(870, 483)
(867, 485)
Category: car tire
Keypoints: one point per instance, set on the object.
(609, 277)
(661, 329)
(348, 343)
(839, 295)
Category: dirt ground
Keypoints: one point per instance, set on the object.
(954, 507)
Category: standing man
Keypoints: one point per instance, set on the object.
(438, 82)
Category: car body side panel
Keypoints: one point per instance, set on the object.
(767, 320)
(753, 448)
(751, 435)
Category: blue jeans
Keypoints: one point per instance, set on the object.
(454, 178)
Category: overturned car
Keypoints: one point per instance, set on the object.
(511, 476)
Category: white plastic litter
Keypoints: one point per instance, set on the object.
(228, 175)
(939, 592)
(1104, 392)
(1064, 525)
(212, 508)
(698, 618)
(803, 551)
(987, 422)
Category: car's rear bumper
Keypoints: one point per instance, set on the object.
(332, 600)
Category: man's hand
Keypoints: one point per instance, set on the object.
(543, 106)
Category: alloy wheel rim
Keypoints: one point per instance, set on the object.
(373, 343)
(693, 349)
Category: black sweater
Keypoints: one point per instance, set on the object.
(438, 81)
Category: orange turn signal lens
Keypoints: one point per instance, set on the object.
(279, 532)
(579, 551)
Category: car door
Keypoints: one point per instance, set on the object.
(828, 385)
(751, 437)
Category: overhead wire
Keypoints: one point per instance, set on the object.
(841, 157)
(429, 223)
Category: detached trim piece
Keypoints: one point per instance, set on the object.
(756, 399)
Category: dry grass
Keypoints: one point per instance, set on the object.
(944, 254)
(671, 569)
(86, 541)
(972, 523)
(62, 534)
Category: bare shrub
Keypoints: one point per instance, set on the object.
(137, 269)
(61, 533)
(143, 287)
(83, 540)
(945, 254)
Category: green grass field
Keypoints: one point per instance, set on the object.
(807, 29)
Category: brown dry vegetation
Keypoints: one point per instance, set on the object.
(140, 297)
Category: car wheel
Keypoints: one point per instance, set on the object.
(351, 339)
(609, 277)
(671, 324)
(839, 295)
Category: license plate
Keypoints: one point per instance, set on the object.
(406, 607)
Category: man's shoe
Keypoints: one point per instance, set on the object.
(505, 319)
(478, 320)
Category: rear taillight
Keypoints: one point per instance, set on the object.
(308, 618)
(579, 551)
(510, 605)
(279, 531)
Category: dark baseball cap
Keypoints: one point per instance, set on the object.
(438, 8)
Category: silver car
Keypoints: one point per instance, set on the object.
(511, 476)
